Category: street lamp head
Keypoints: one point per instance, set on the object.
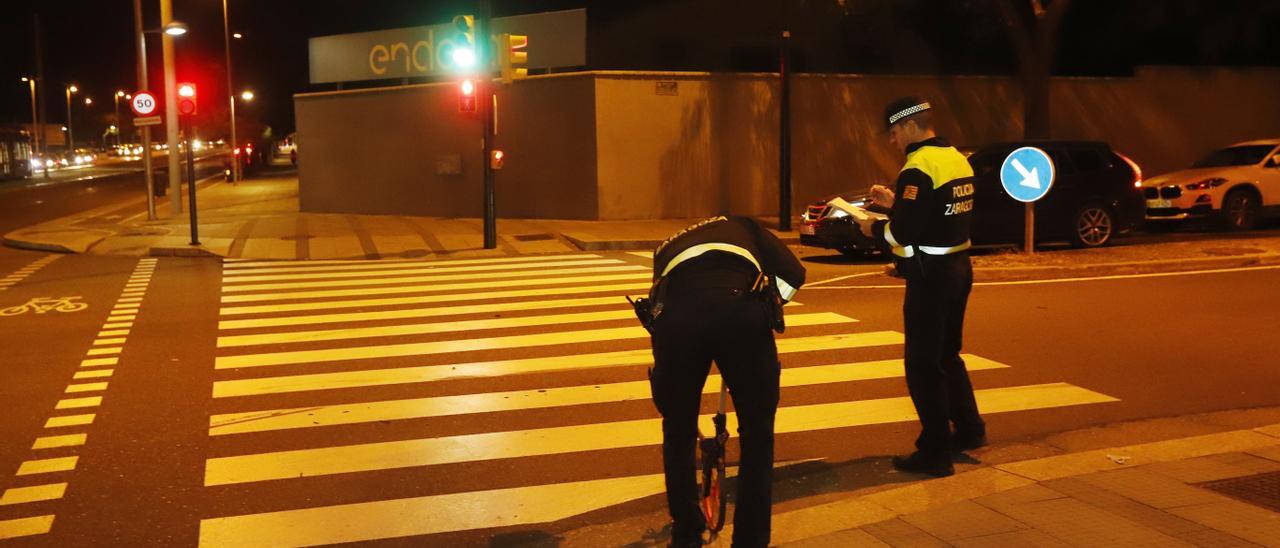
(237, 35)
(120, 93)
(64, 128)
(72, 88)
(175, 28)
(88, 101)
(247, 95)
(25, 79)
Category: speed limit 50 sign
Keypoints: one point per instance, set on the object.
(144, 103)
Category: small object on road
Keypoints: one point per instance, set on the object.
(1121, 460)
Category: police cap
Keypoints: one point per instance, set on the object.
(903, 108)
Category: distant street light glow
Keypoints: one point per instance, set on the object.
(247, 95)
(73, 88)
(237, 36)
(88, 100)
(175, 28)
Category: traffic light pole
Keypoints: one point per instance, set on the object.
(191, 187)
(484, 55)
(784, 137)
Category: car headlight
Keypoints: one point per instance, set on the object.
(1207, 184)
(837, 213)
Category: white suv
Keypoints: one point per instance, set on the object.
(1238, 184)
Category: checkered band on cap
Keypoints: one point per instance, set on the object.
(893, 119)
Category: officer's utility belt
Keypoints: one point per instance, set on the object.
(910, 250)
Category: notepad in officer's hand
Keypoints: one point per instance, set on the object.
(857, 212)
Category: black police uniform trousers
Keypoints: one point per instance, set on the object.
(710, 315)
(933, 313)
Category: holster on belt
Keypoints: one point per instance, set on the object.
(773, 301)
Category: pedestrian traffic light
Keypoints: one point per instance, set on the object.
(186, 99)
(464, 48)
(513, 57)
(495, 159)
(467, 96)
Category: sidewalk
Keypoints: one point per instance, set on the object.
(1212, 489)
(1201, 480)
(260, 219)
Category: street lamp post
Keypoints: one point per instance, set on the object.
(231, 96)
(119, 94)
(35, 123)
(171, 110)
(71, 147)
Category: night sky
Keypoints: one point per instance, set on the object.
(90, 42)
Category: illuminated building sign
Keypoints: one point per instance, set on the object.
(561, 38)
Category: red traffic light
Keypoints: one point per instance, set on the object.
(186, 99)
(467, 96)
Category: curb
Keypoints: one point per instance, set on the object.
(182, 252)
(992, 274)
(36, 246)
(805, 523)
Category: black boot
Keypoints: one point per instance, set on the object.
(938, 466)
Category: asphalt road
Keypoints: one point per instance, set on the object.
(504, 402)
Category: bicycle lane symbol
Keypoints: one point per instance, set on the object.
(41, 305)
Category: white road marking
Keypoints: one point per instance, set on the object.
(430, 278)
(478, 270)
(633, 273)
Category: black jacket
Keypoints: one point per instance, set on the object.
(742, 237)
(933, 202)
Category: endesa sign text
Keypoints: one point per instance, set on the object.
(560, 39)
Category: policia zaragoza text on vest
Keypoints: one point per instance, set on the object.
(719, 287)
(928, 233)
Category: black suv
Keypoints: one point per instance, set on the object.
(1096, 194)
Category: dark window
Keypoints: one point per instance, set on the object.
(1088, 160)
(1061, 163)
(1235, 156)
(984, 164)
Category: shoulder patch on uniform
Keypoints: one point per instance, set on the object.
(909, 193)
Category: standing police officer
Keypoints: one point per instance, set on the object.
(718, 290)
(928, 233)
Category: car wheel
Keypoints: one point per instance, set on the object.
(1239, 210)
(1093, 225)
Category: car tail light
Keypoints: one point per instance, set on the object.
(1137, 171)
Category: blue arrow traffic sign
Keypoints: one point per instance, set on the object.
(1027, 174)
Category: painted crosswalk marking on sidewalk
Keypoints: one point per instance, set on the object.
(627, 273)
(269, 306)
(472, 345)
(426, 515)
(519, 366)
(427, 279)
(235, 265)
(428, 299)
(492, 402)
(600, 436)
(399, 314)
(477, 269)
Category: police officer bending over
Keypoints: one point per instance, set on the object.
(928, 233)
(718, 290)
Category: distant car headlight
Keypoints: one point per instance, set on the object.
(837, 213)
(1207, 184)
(49, 163)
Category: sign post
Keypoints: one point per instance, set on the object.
(1027, 175)
(145, 108)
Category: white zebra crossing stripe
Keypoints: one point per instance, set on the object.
(632, 273)
(426, 515)
(472, 345)
(419, 312)
(502, 368)
(422, 329)
(259, 265)
(25, 527)
(420, 270)
(426, 299)
(600, 436)
(492, 402)
(430, 278)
